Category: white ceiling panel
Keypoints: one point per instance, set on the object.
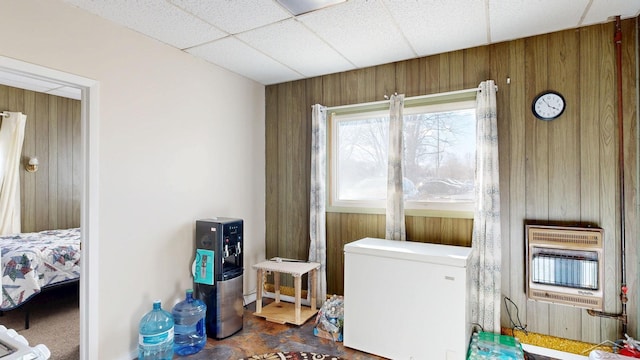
(437, 26)
(43, 86)
(28, 84)
(23, 82)
(601, 10)
(158, 19)
(516, 19)
(310, 57)
(235, 16)
(362, 31)
(268, 44)
(66, 91)
(236, 56)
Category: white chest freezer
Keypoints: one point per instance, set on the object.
(406, 300)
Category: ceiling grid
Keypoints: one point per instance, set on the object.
(261, 40)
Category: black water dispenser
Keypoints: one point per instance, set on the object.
(218, 274)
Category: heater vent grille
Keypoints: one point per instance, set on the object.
(566, 237)
(589, 301)
(564, 265)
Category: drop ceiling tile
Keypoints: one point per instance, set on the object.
(38, 85)
(297, 7)
(23, 82)
(601, 10)
(234, 55)
(436, 26)
(360, 30)
(235, 16)
(364, 32)
(516, 19)
(23, 85)
(157, 19)
(291, 43)
(67, 91)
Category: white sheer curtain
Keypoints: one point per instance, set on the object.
(11, 139)
(317, 221)
(486, 260)
(395, 226)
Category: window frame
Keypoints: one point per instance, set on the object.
(455, 100)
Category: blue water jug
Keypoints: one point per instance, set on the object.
(190, 331)
(155, 341)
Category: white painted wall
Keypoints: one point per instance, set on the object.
(179, 140)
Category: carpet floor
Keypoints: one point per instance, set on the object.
(54, 321)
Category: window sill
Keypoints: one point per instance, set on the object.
(407, 212)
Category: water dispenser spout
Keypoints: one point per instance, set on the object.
(226, 250)
(238, 249)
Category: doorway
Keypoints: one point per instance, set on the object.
(89, 190)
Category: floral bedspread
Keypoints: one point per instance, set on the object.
(31, 261)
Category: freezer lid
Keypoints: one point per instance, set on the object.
(432, 253)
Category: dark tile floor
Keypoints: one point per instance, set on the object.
(259, 336)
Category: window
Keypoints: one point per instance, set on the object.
(438, 159)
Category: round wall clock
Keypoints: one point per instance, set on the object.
(548, 105)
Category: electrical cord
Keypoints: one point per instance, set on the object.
(515, 326)
(477, 325)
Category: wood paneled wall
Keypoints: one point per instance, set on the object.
(50, 197)
(559, 171)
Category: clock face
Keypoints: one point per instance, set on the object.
(548, 106)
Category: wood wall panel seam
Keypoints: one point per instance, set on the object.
(48, 196)
(545, 177)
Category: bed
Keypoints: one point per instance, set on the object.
(33, 262)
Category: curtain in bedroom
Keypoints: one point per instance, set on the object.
(395, 226)
(317, 220)
(11, 139)
(486, 244)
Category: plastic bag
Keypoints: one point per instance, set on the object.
(330, 319)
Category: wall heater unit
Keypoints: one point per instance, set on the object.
(565, 265)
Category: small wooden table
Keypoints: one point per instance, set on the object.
(280, 312)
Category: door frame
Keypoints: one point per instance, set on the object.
(89, 280)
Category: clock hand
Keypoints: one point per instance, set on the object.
(549, 105)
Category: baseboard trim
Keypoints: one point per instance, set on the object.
(249, 298)
(286, 298)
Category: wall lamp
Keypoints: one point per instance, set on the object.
(32, 164)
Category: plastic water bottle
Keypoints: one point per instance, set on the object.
(190, 331)
(155, 340)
